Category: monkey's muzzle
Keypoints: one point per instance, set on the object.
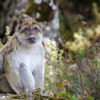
(31, 31)
(31, 40)
(31, 36)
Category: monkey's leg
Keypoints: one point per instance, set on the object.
(12, 77)
(26, 77)
(4, 85)
(38, 74)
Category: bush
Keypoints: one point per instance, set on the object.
(73, 75)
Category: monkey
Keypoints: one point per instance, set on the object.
(22, 58)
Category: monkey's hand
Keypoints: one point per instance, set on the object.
(12, 77)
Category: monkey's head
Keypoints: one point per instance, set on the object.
(29, 30)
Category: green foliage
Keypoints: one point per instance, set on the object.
(69, 96)
(74, 76)
(65, 28)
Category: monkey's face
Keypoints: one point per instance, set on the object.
(30, 32)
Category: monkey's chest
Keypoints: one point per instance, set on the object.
(30, 59)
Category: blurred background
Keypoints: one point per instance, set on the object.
(73, 28)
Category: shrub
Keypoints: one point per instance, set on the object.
(73, 75)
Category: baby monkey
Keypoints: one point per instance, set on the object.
(22, 59)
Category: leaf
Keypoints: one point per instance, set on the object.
(61, 86)
(90, 98)
(84, 22)
(64, 95)
(74, 98)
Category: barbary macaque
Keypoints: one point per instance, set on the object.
(22, 59)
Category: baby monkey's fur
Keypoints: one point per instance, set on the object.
(22, 59)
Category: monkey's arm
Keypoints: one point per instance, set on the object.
(27, 80)
(6, 50)
(12, 77)
(38, 72)
(38, 75)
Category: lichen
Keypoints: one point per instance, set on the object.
(37, 94)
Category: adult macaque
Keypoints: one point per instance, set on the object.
(22, 59)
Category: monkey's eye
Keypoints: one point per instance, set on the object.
(35, 28)
(26, 29)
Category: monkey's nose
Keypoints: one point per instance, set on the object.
(31, 32)
(32, 36)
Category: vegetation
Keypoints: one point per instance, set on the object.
(73, 71)
(75, 74)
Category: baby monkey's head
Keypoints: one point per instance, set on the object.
(30, 31)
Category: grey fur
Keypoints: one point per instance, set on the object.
(24, 66)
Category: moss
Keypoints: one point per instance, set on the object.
(45, 11)
(65, 28)
(14, 96)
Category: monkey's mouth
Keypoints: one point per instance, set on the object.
(31, 40)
